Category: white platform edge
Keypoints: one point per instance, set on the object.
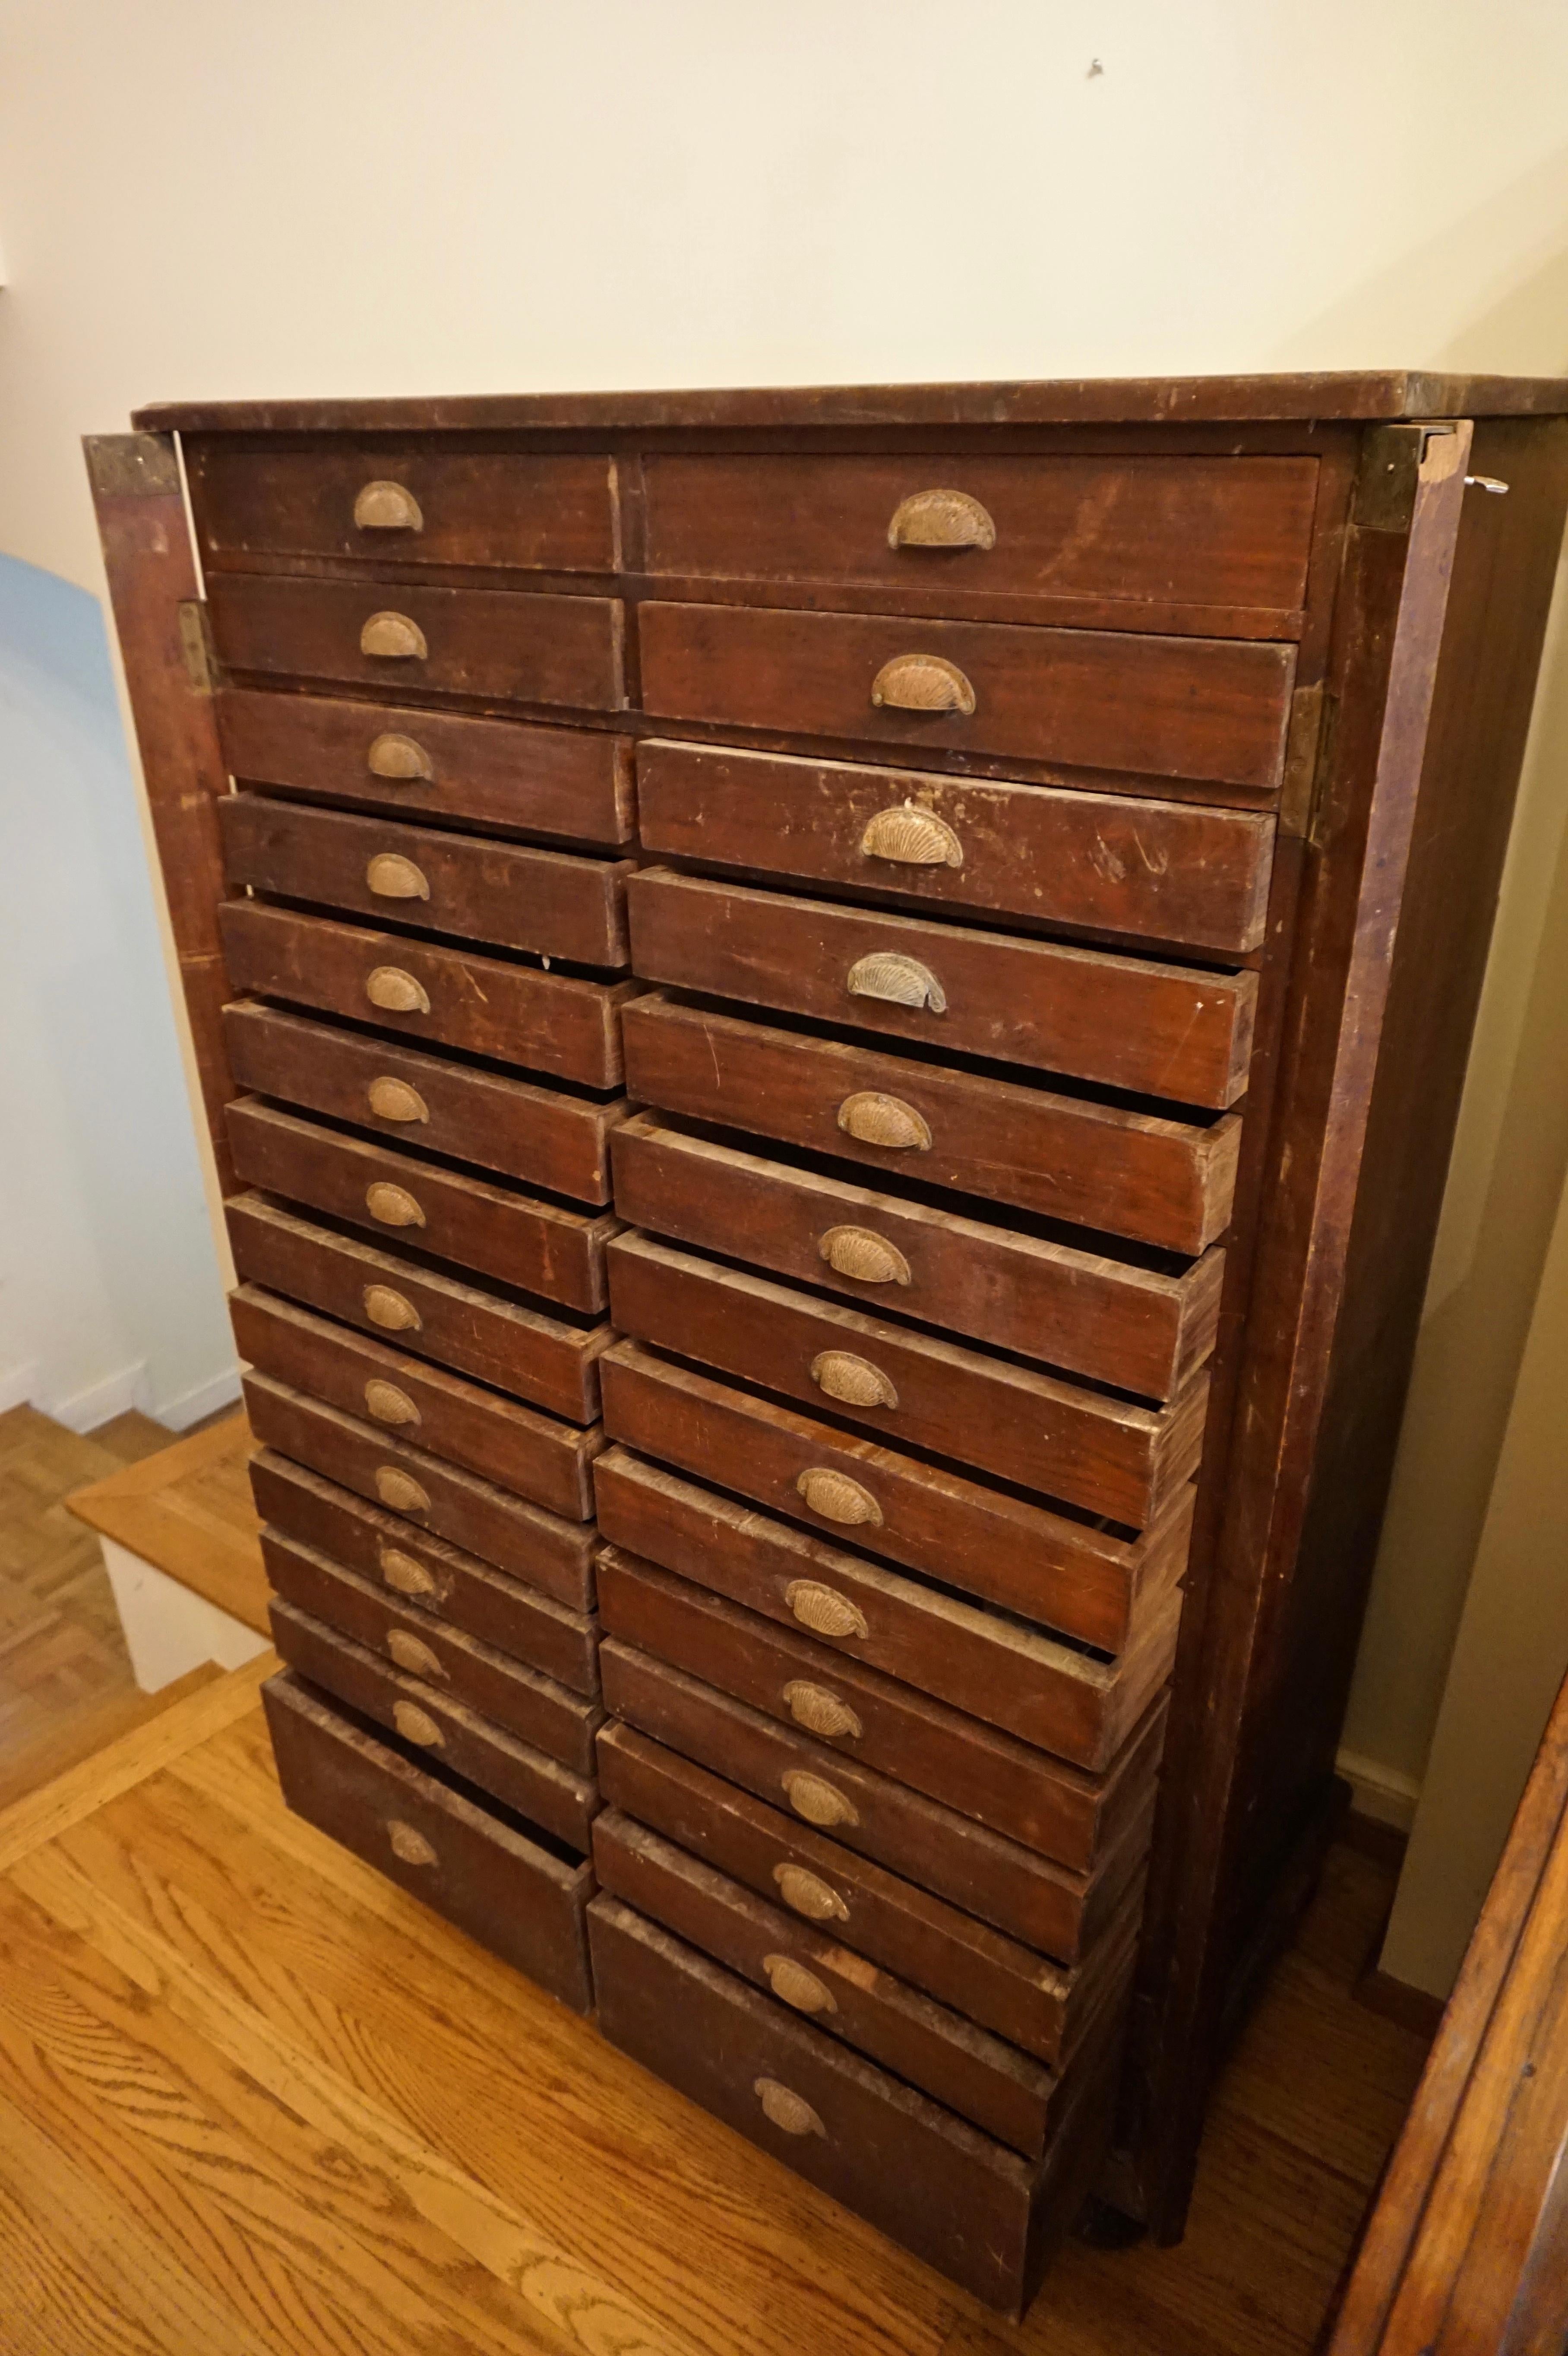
(169, 1630)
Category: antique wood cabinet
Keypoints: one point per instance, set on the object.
(831, 1023)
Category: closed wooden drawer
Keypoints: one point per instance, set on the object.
(1058, 1911)
(504, 1342)
(542, 1136)
(528, 1455)
(403, 502)
(436, 1726)
(1172, 871)
(508, 893)
(495, 644)
(460, 1668)
(510, 1886)
(991, 1979)
(1158, 1030)
(1142, 1328)
(1092, 1583)
(1160, 707)
(1224, 532)
(540, 1247)
(428, 1495)
(1053, 1696)
(1163, 1181)
(547, 1022)
(437, 1581)
(1021, 1792)
(410, 763)
(986, 2081)
(1104, 1455)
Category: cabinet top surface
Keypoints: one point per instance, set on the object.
(1099, 401)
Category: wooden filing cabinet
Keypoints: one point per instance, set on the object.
(831, 1023)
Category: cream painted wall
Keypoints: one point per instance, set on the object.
(506, 195)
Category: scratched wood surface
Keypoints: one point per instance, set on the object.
(253, 2098)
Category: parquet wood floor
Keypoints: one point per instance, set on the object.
(256, 2102)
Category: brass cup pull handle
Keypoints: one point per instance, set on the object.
(822, 1609)
(863, 1257)
(809, 1895)
(917, 683)
(393, 1312)
(793, 1985)
(400, 1491)
(909, 836)
(901, 980)
(403, 1573)
(411, 1653)
(836, 1498)
(399, 758)
(394, 1206)
(818, 1802)
(393, 1100)
(416, 1725)
(941, 519)
(786, 2109)
(388, 1404)
(388, 506)
(854, 1380)
(398, 638)
(411, 1846)
(392, 877)
(821, 1711)
(399, 992)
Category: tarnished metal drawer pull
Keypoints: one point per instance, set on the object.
(392, 1310)
(941, 519)
(393, 1205)
(388, 1404)
(399, 639)
(394, 1487)
(410, 1845)
(786, 2109)
(912, 837)
(818, 1802)
(876, 1119)
(399, 758)
(393, 1100)
(821, 1711)
(845, 1376)
(401, 1572)
(809, 1895)
(901, 980)
(392, 877)
(398, 991)
(835, 1498)
(866, 1258)
(823, 1608)
(792, 1984)
(417, 1725)
(388, 506)
(915, 683)
(411, 1653)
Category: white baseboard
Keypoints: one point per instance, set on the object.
(1381, 1792)
(117, 1393)
(204, 1399)
(17, 1385)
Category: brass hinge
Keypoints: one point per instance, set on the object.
(131, 465)
(195, 645)
(1391, 460)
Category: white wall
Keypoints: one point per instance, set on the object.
(506, 195)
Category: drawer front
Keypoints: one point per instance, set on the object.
(1052, 1697)
(427, 1494)
(1158, 1030)
(462, 1670)
(494, 644)
(539, 1135)
(432, 764)
(927, 2180)
(1104, 1455)
(1172, 871)
(537, 1358)
(547, 1022)
(1140, 1328)
(1022, 1996)
(528, 1455)
(1161, 1181)
(992, 2084)
(1086, 1581)
(1043, 1905)
(521, 1897)
(1024, 1795)
(436, 1581)
(1187, 530)
(437, 1728)
(539, 1246)
(388, 500)
(543, 901)
(1159, 706)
